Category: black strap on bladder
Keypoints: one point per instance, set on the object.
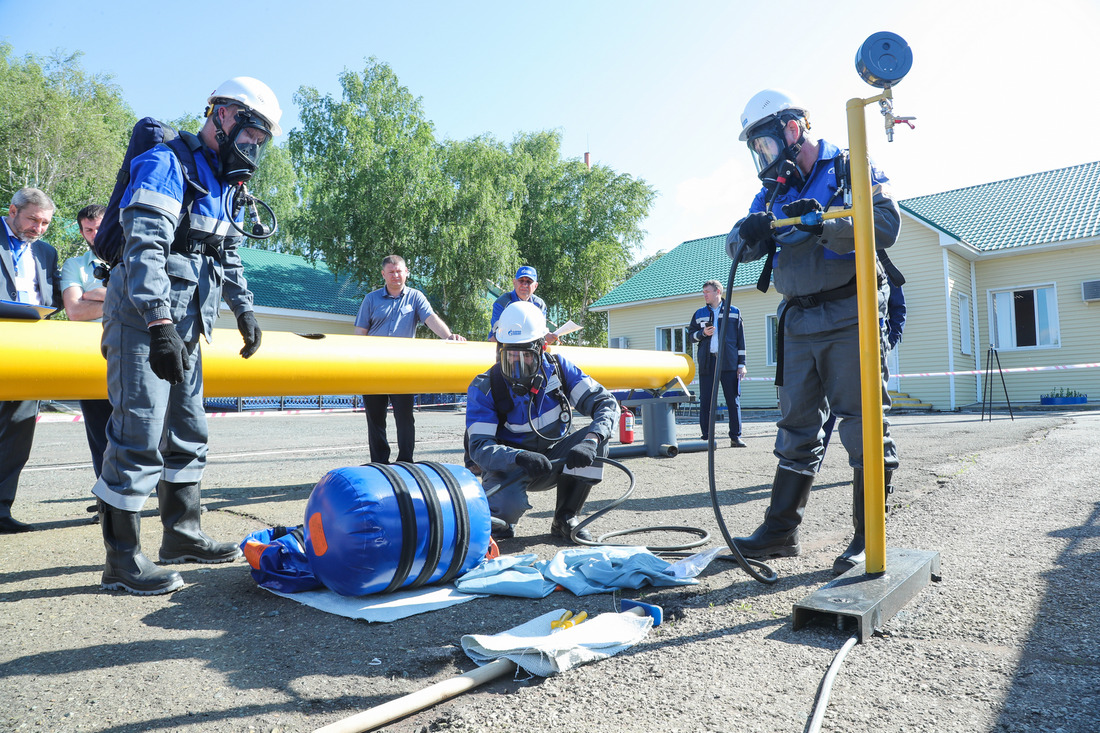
(462, 520)
(408, 526)
(435, 523)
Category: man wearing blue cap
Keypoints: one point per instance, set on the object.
(524, 286)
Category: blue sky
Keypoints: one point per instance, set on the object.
(653, 89)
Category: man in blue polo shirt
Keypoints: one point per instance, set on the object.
(524, 285)
(395, 310)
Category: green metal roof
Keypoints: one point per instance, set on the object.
(683, 272)
(1041, 208)
(279, 280)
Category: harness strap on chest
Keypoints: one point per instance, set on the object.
(503, 397)
(185, 147)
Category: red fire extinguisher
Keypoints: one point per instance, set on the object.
(626, 426)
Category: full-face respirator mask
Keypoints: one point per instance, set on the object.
(240, 151)
(521, 365)
(773, 157)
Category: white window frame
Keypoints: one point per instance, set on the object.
(771, 331)
(658, 338)
(966, 340)
(1005, 318)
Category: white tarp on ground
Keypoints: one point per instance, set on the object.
(384, 607)
(544, 651)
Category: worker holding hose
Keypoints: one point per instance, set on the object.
(814, 269)
(518, 425)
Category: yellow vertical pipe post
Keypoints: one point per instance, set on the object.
(870, 358)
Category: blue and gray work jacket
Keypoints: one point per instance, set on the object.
(162, 281)
(494, 443)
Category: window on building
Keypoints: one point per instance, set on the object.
(1025, 318)
(771, 325)
(672, 338)
(964, 324)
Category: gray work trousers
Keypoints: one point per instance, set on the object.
(507, 490)
(157, 430)
(821, 372)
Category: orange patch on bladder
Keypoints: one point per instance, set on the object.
(317, 535)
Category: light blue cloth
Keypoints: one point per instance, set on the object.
(510, 575)
(588, 570)
(584, 570)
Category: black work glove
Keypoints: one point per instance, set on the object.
(805, 206)
(250, 330)
(167, 353)
(757, 227)
(582, 454)
(535, 464)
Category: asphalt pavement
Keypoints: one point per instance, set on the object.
(1007, 640)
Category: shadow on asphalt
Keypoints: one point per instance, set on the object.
(1060, 665)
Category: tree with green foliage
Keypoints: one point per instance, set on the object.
(473, 242)
(61, 130)
(640, 265)
(579, 228)
(371, 183)
(276, 184)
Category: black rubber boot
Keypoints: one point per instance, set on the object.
(184, 540)
(572, 493)
(127, 569)
(778, 535)
(857, 548)
(501, 530)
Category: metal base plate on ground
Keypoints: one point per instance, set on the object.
(870, 600)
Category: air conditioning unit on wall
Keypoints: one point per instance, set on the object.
(618, 342)
(1090, 291)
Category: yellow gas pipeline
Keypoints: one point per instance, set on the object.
(62, 361)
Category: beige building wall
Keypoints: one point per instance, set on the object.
(943, 276)
(963, 389)
(639, 323)
(1078, 321)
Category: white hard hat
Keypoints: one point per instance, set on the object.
(520, 323)
(253, 94)
(765, 104)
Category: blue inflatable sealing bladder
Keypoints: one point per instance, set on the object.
(379, 528)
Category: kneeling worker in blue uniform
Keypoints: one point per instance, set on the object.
(518, 417)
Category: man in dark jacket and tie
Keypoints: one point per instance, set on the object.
(29, 274)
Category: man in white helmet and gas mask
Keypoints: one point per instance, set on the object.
(518, 418)
(818, 368)
(161, 297)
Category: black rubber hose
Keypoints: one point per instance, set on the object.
(702, 534)
(767, 575)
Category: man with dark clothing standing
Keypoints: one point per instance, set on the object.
(83, 294)
(29, 274)
(704, 329)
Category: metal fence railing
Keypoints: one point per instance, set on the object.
(433, 400)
